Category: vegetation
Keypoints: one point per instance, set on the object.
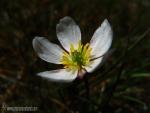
(120, 85)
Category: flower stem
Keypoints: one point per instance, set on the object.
(86, 82)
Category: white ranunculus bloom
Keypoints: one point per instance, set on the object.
(76, 58)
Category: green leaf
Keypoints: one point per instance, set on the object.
(133, 99)
(141, 75)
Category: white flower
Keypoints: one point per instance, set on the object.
(76, 58)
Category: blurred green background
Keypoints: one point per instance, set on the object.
(120, 85)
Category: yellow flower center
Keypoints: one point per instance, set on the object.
(78, 58)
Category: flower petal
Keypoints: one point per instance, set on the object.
(68, 32)
(46, 50)
(59, 75)
(102, 39)
(94, 64)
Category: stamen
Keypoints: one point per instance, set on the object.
(78, 58)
